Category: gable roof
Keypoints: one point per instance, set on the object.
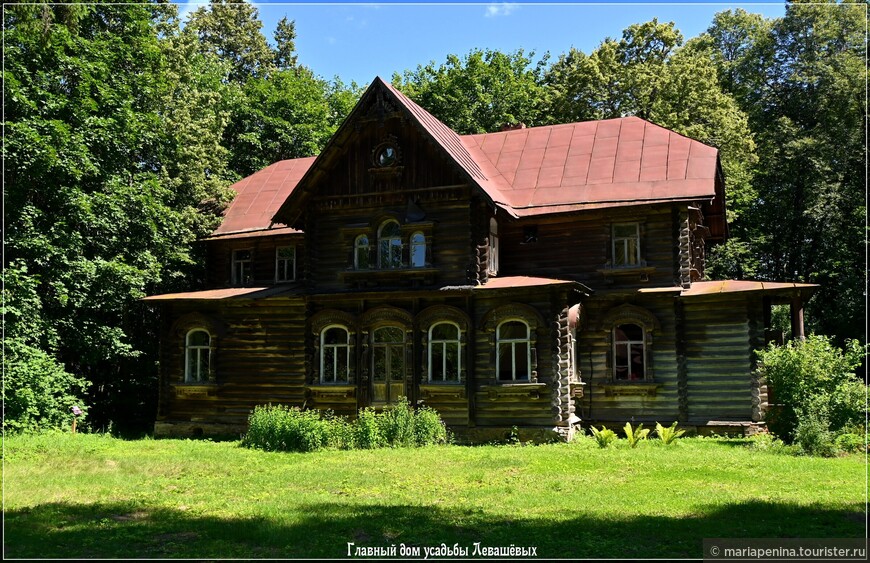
(526, 172)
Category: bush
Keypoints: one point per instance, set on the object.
(805, 375)
(38, 394)
(635, 435)
(851, 443)
(813, 435)
(281, 428)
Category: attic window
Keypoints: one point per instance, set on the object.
(386, 155)
(530, 234)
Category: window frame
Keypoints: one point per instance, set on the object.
(365, 247)
(382, 264)
(199, 377)
(417, 246)
(624, 241)
(247, 272)
(431, 342)
(278, 260)
(629, 343)
(335, 348)
(492, 255)
(499, 341)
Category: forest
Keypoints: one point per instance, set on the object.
(124, 127)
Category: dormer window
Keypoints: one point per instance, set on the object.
(389, 246)
(626, 245)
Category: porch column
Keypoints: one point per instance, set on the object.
(797, 317)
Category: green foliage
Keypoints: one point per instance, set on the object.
(38, 394)
(813, 379)
(668, 434)
(603, 437)
(282, 428)
(813, 433)
(481, 92)
(769, 443)
(635, 435)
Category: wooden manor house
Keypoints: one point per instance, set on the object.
(531, 278)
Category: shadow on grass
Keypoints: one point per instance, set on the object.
(121, 530)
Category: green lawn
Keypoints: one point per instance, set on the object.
(91, 496)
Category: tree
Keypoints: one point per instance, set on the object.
(112, 170)
(230, 29)
(650, 74)
(285, 41)
(481, 92)
(801, 79)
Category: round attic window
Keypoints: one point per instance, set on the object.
(386, 155)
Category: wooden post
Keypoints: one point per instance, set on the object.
(797, 318)
(74, 425)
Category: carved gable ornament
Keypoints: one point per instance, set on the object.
(628, 313)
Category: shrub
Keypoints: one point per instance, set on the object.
(813, 435)
(429, 429)
(668, 434)
(851, 443)
(281, 428)
(770, 443)
(635, 435)
(38, 393)
(805, 375)
(604, 437)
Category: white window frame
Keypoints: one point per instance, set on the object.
(512, 342)
(443, 344)
(289, 273)
(492, 255)
(335, 361)
(390, 240)
(198, 349)
(243, 269)
(627, 344)
(361, 242)
(624, 242)
(418, 246)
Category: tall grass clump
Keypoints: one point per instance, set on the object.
(668, 434)
(603, 437)
(635, 435)
(281, 428)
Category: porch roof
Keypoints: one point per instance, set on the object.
(227, 293)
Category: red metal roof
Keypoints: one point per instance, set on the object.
(226, 293)
(260, 195)
(521, 281)
(539, 170)
(735, 286)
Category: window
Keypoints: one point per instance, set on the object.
(629, 358)
(197, 352)
(242, 266)
(492, 257)
(334, 354)
(389, 246)
(445, 363)
(418, 250)
(361, 253)
(513, 359)
(285, 263)
(626, 245)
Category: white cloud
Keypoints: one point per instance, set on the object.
(503, 9)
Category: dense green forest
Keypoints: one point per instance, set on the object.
(124, 128)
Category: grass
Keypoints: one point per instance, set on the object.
(92, 496)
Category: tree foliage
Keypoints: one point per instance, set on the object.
(481, 92)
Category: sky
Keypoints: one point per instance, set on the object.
(357, 41)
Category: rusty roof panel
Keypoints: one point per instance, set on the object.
(521, 281)
(227, 293)
(737, 286)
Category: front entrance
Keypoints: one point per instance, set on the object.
(388, 365)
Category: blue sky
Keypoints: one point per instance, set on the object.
(357, 41)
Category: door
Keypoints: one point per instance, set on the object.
(388, 365)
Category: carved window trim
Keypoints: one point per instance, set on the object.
(318, 323)
(628, 314)
(433, 346)
(502, 342)
(428, 318)
(180, 330)
(336, 349)
(198, 349)
(514, 311)
(392, 242)
(362, 249)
